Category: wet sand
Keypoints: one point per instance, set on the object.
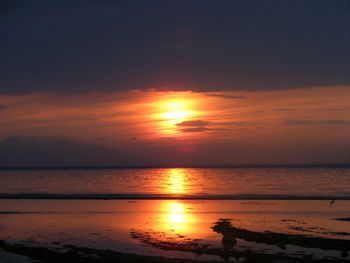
(185, 230)
(90, 255)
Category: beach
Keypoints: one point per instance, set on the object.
(165, 230)
(291, 214)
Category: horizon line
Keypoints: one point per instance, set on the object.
(178, 166)
(80, 196)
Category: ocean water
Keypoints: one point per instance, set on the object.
(197, 182)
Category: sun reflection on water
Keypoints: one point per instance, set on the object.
(175, 181)
(176, 212)
(176, 217)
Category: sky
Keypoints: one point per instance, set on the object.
(174, 83)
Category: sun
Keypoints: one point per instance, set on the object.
(176, 111)
(176, 115)
(171, 110)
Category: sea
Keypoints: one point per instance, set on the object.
(201, 183)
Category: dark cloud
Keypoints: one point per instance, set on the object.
(321, 109)
(200, 129)
(232, 123)
(196, 129)
(283, 109)
(99, 46)
(2, 107)
(226, 96)
(331, 109)
(193, 123)
(59, 120)
(197, 126)
(310, 122)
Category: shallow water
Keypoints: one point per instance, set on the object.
(119, 224)
(181, 181)
(177, 227)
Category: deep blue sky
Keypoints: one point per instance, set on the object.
(82, 46)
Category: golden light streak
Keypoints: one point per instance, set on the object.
(176, 115)
(173, 217)
(176, 213)
(175, 181)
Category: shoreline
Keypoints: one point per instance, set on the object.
(76, 254)
(176, 231)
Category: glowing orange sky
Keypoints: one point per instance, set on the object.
(142, 118)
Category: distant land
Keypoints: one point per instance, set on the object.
(26, 152)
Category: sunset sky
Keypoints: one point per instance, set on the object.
(174, 83)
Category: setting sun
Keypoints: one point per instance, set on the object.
(176, 116)
(174, 111)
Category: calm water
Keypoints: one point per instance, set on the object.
(181, 181)
(120, 225)
(177, 227)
